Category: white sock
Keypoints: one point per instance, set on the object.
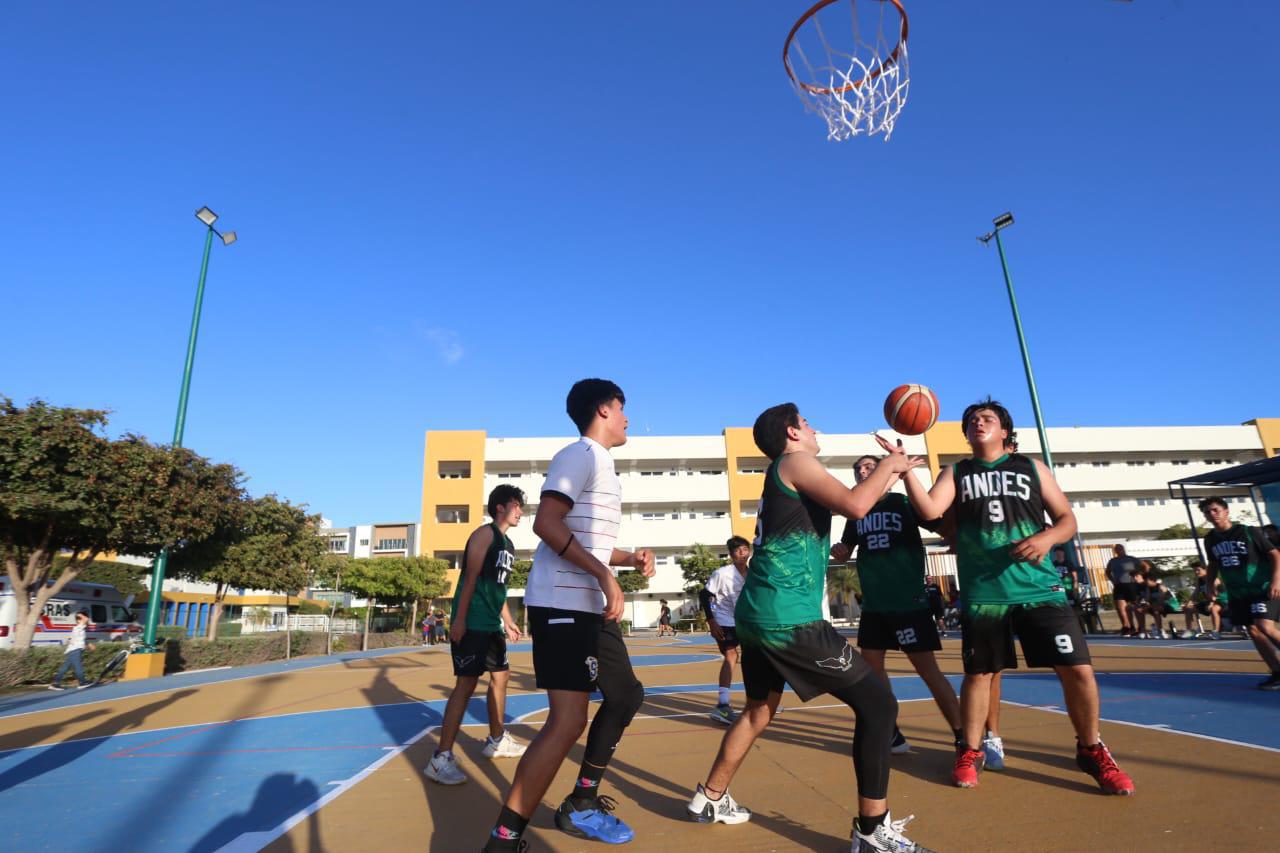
(724, 695)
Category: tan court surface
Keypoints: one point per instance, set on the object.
(1192, 794)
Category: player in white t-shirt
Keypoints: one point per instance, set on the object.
(573, 603)
(718, 599)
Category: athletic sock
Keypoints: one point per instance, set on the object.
(588, 782)
(724, 695)
(959, 733)
(868, 825)
(508, 830)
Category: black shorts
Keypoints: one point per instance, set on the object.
(910, 630)
(1205, 608)
(479, 652)
(813, 658)
(730, 640)
(1050, 635)
(1125, 592)
(1246, 609)
(571, 648)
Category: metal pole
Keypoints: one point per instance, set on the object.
(157, 571)
(1195, 534)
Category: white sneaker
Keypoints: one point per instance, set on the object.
(504, 747)
(993, 752)
(1188, 635)
(899, 745)
(703, 809)
(444, 769)
(887, 838)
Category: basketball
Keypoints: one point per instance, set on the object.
(911, 409)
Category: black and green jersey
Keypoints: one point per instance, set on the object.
(485, 611)
(788, 568)
(997, 504)
(890, 556)
(1237, 554)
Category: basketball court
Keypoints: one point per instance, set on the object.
(326, 754)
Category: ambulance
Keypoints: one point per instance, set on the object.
(110, 616)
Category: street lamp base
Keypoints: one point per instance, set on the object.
(143, 665)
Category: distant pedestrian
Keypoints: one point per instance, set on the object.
(442, 627)
(429, 628)
(664, 619)
(73, 654)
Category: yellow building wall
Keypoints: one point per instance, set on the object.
(1269, 432)
(451, 446)
(738, 446)
(944, 439)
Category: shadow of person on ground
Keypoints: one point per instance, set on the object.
(49, 758)
(281, 793)
(36, 734)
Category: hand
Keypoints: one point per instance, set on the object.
(612, 598)
(457, 630)
(714, 627)
(1031, 550)
(840, 552)
(513, 632)
(642, 559)
(897, 459)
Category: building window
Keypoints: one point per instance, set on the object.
(711, 472)
(650, 472)
(1079, 503)
(1110, 502)
(453, 558)
(652, 516)
(748, 509)
(454, 470)
(1213, 461)
(337, 544)
(364, 543)
(1182, 462)
(1101, 464)
(391, 545)
(715, 513)
(453, 515)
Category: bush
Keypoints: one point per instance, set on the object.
(170, 632)
(38, 665)
(626, 627)
(229, 629)
(312, 608)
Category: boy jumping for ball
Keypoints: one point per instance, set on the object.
(1008, 586)
(481, 625)
(785, 639)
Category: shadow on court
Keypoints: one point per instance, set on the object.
(280, 794)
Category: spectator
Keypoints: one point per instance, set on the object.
(442, 627)
(1204, 604)
(73, 654)
(664, 619)
(1161, 603)
(1120, 571)
(429, 628)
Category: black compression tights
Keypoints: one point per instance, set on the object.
(876, 710)
(621, 702)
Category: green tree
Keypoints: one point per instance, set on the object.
(126, 577)
(632, 581)
(67, 489)
(845, 580)
(697, 566)
(393, 580)
(519, 577)
(1167, 566)
(273, 546)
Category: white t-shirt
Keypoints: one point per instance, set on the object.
(582, 472)
(725, 584)
(76, 640)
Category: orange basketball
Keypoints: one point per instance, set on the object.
(911, 409)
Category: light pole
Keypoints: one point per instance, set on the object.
(154, 602)
(1002, 222)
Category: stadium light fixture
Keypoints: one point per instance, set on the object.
(154, 601)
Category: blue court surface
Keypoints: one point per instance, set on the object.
(236, 785)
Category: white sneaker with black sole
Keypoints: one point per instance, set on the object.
(703, 809)
(887, 838)
(444, 769)
(504, 747)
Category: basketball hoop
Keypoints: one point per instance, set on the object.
(857, 81)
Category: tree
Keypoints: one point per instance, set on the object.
(67, 489)
(392, 580)
(845, 580)
(1166, 566)
(697, 566)
(126, 577)
(519, 577)
(273, 545)
(632, 581)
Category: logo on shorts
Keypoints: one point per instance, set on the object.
(842, 662)
(461, 661)
(593, 668)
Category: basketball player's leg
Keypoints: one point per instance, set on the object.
(926, 666)
(737, 741)
(454, 710)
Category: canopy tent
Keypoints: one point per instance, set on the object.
(1260, 478)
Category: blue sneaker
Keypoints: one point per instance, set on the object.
(593, 821)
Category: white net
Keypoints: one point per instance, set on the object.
(849, 65)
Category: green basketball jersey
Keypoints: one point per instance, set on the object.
(490, 596)
(997, 504)
(890, 556)
(1237, 554)
(788, 568)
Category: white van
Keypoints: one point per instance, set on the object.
(110, 618)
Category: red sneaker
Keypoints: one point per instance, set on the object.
(1096, 760)
(968, 764)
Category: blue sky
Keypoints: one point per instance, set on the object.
(449, 212)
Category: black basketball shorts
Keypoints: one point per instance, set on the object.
(730, 640)
(1246, 609)
(479, 652)
(910, 630)
(1049, 632)
(573, 650)
(813, 658)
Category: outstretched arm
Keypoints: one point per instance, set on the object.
(810, 477)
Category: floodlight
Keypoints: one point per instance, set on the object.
(207, 216)
(228, 238)
(1004, 220)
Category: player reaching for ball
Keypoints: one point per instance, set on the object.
(784, 637)
(1008, 585)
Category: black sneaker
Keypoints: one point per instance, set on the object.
(1272, 683)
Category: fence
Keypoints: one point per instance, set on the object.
(305, 622)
